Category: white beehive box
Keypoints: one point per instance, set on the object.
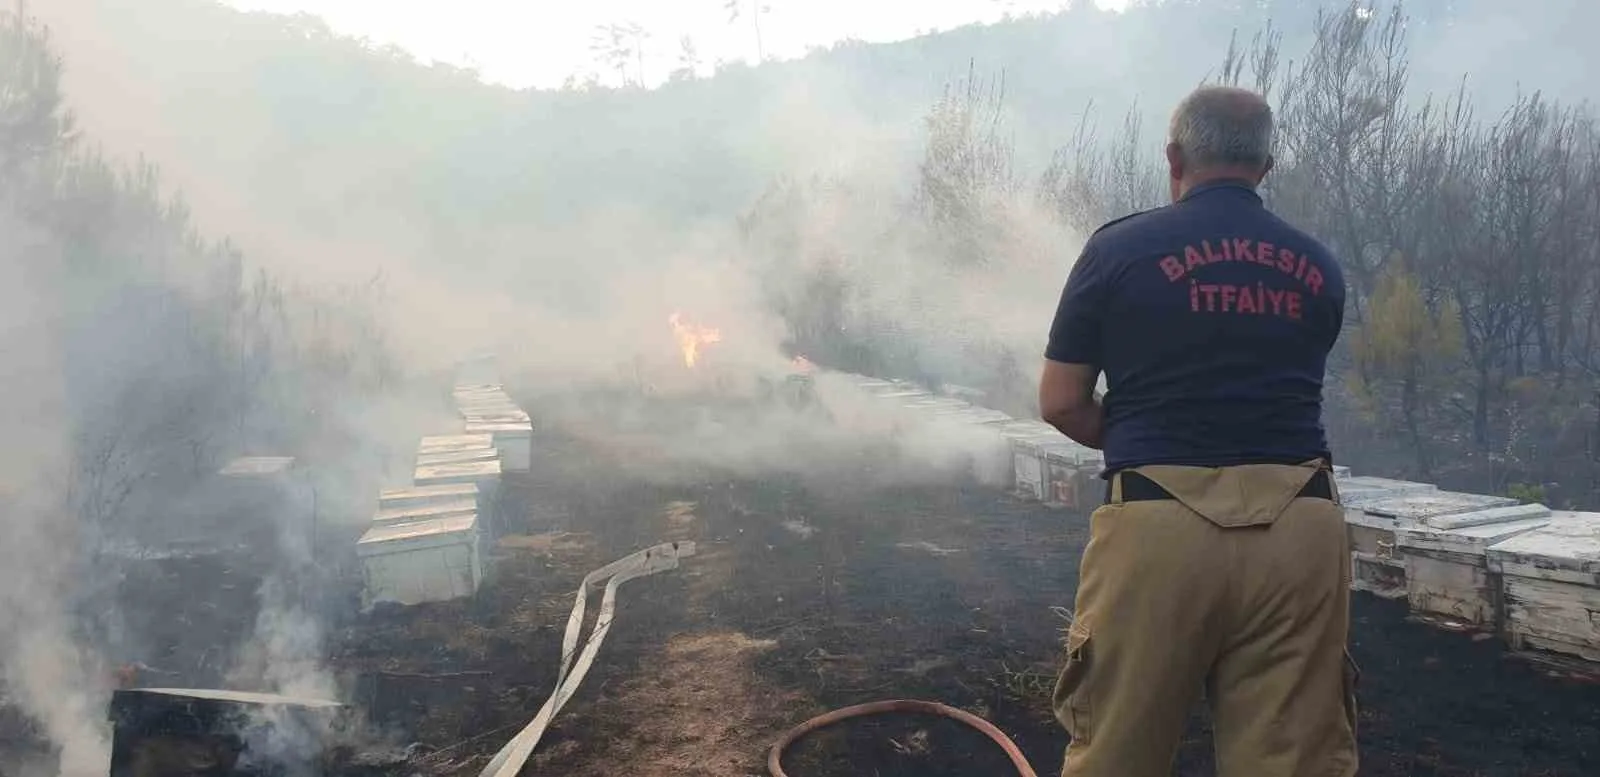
(483, 474)
(1360, 489)
(927, 405)
(424, 561)
(489, 407)
(478, 388)
(971, 414)
(455, 442)
(1375, 565)
(457, 457)
(1072, 473)
(258, 466)
(516, 417)
(975, 396)
(900, 393)
(479, 395)
(1030, 477)
(1447, 573)
(417, 496)
(1028, 428)
(1012, 431)
(514, 441)
(410, 513)
(1550, 587)
(864, 382)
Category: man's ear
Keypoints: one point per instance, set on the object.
(1175, 161)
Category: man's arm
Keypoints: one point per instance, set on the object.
(1067, 401)
(1073, 356)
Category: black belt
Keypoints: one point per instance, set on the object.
(1138, 488)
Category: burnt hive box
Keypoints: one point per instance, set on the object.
(1551, 586)
(1448, 580)
(254, 502)
(1377, 565)
(164, 732)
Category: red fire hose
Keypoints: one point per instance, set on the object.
(775, 757)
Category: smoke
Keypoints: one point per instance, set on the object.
(393, 220)
(46, 669)
(364, 271)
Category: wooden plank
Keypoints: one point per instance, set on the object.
(1554, 616)
(1379, 576)
(1567, 550)
(1422, 507)
(1451, 589)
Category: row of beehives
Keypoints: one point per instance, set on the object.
(1464, 561)
(1480, 562)
(428, 541)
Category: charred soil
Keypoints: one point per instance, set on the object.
(813, 594)
(810, 594)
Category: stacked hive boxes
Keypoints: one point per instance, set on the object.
(427, 542)
(1029, 457)
(1550, 587)
(1460, 560)
(487, 409)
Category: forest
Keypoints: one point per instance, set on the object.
(210, 261)
(1467, 231)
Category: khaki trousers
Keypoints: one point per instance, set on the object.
(1235, 588)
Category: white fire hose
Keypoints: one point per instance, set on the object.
(508, 762)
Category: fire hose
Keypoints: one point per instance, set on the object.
(514, 755)
(775, 756)
(510, 759)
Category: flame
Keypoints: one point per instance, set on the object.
(802, 364)
(691, 338)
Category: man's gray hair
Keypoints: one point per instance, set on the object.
(1223, 126)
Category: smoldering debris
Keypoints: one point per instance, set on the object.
(163, 732)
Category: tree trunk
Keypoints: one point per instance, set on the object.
(1409, 413)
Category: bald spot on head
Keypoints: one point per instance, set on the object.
(1223, 127)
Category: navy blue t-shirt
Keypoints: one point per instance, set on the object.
(1212, 320)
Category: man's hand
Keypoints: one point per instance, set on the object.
(1068, 402)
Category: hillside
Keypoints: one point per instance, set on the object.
(565, 226)
(281, 109)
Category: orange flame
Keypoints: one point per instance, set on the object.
(692, 338)
(802, 364)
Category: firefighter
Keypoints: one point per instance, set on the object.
(1218, 565)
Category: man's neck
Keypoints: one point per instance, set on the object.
(1220, 177)
(1213, 181)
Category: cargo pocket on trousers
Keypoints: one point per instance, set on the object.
(1352, 678)
(1071, 700)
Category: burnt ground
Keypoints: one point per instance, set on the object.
(807, 595)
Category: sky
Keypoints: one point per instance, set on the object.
(541, 43)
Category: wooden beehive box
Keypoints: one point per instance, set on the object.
(1550, 586)
(513, 440)
(420, 512)
(1448, 580)
(1072, 474)
(1375, 565)
(415, 496)
(432, 560)
(1030, 475)
(455, 442)
(454, 457)
(184, 732)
